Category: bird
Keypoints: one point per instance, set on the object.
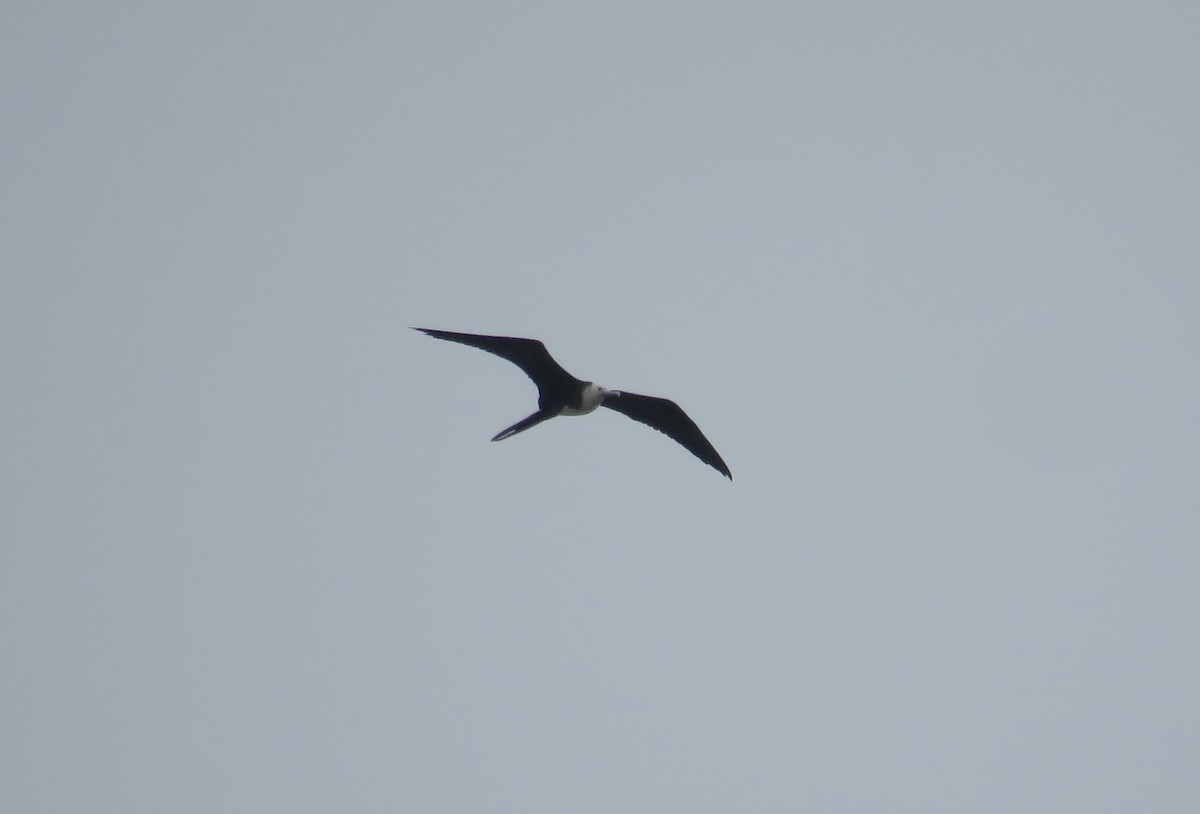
(560, 393)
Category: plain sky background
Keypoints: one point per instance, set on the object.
(927, 275)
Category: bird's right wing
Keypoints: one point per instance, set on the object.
(668, 418)
(528, 354)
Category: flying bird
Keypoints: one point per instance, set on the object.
(560, 393)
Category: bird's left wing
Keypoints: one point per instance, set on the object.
(669, 418)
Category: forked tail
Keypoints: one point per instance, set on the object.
(523, 424)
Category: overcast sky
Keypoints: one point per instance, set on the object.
(927, 275)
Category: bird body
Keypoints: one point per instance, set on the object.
(560, 393)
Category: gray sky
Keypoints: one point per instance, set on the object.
(927, 276)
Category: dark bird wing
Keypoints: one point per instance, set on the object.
(528, 354)
(669, 418)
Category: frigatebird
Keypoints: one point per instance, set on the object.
(560, 393)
